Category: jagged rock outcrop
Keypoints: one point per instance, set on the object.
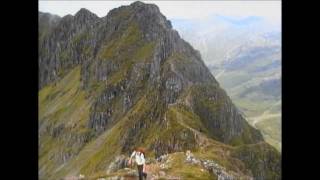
(119, 162)
(221, 117)
(262, 159)
(215, 168)
(60, 49)
(110, 84)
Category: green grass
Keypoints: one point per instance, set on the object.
(64, 56)
(184, 115)
(119, 44)
(125, 51)
(252, 108)
(106, 146)
(270, 127)
(255, 103)
(61, 103)
(233, 78)
(179, 58)
(203, 91)
(111, 142)
(174, 127)
(254, 157)
(178, 167)
(271, 130)
(64, 101)
(100, 159)
(80, 37)
(123, 14)
(221, 154)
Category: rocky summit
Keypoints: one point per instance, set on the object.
(107, 85)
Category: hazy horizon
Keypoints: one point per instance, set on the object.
(269, 11)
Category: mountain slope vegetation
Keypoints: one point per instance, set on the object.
(110, 84)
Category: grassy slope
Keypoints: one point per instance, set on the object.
(180, 120)
(96, 155)
(65, 103)
(260, 156)
(186, 171)
(208, 148)
(61, 103)
(271, 128)
(64, 99)
(175, 167)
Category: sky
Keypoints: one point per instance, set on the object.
(268, 10)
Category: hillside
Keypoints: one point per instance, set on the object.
(244, 55)
(107, 85)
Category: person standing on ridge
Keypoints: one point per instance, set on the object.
(139, 155)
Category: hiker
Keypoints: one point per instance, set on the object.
(139, 155)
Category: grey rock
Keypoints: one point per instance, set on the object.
(119, 162)
(173, 68)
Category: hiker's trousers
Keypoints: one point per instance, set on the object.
(141, 173)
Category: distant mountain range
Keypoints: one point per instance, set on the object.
(245, 56)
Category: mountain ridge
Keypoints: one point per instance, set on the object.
(247, 63)
(125, 80)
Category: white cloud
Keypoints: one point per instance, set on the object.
(270, 10)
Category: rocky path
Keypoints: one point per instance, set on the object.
(209, 165)
(219, 74)
(158, 170)
(265, 115)
(201, 138)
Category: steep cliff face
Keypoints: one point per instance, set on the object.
(128, 79)
(261, 158)
(59, 49)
